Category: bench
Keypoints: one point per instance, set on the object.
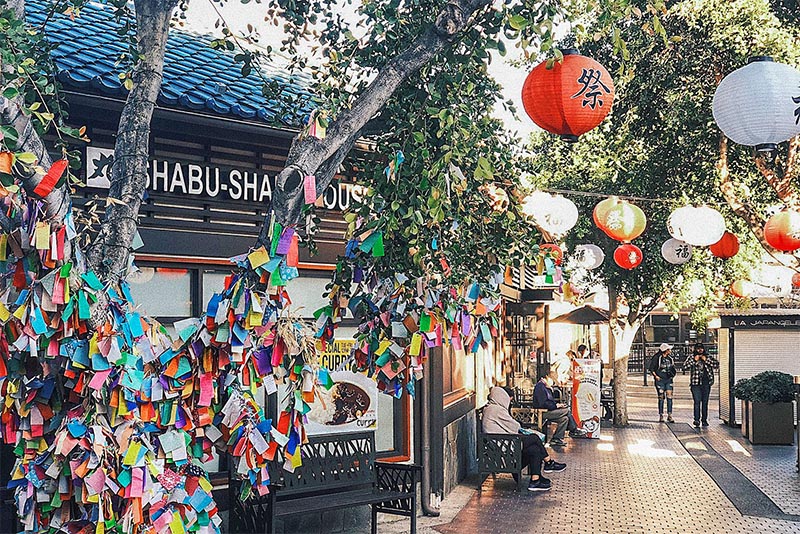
(498, 453)
(338, 471)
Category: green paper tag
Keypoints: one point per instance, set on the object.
(377, 248)
(92, 281)
(277, 229)
(83, 306)
(275, 278)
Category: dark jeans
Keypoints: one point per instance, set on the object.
(700, 395)
(533, 454)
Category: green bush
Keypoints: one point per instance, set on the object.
(767, 387)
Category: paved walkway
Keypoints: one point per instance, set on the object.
(647, 478)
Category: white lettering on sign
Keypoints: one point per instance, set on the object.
(197, 179)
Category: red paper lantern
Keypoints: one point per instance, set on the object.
(727, 247)
(628, 256)
(782, 231)
(796, 280)
(569, 99)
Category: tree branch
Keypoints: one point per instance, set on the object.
(308, 155)
(108, 254)
(779, 180)
(753, 219)
(58, 201)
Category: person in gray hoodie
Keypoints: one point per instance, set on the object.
(497, 420)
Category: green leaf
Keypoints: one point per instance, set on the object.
(10, 92)
(518, 22)
(27, 158)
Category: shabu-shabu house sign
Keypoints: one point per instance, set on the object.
(208, 180)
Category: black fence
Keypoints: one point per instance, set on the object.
(641, 354)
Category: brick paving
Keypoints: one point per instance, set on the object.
(636, 480)
(639, 479)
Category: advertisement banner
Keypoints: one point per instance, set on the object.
(351, 404)
(586, 395)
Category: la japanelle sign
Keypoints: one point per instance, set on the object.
(207, 180)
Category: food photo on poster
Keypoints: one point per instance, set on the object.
(349, 405)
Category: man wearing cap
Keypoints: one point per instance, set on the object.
(662, 367)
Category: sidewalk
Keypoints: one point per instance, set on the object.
(647, 478)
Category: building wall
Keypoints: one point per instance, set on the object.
(459, 451)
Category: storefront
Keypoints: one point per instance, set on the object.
(751, 342)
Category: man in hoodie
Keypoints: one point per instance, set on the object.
(497, 420)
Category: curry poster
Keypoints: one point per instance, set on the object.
(350, 404)
(586, 395)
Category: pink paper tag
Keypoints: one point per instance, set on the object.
(310, 189)
(206, 390)
(99, 379)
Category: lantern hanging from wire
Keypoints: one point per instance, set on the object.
(570, 97)
(620, 219)
(759, 104)
(796, 281)
(782, 231)
(699, 226)
(676, 252)
(628, 256)
(588, 256)
(727, 247)
(554, 214)
(741, 288)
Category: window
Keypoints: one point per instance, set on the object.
(458, 373)
(162, 292)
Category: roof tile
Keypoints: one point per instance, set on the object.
(196, 76)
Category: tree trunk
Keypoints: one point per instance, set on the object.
(58, 202)
(623, 339)
(322, 157)
(108, 254)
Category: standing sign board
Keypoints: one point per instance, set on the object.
(586, 395)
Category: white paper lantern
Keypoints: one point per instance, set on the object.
(676, 252)
(699, 226)
(753, 105)
(589, 256)
(554, 214)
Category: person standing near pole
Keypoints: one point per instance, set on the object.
(662, 368)
(701, 368)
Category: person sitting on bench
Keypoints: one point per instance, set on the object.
(559, 413)
(497, 420)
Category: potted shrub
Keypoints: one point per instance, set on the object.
(743, 390)
(768, 417)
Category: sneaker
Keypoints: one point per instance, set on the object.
(696, 424)
(553, 467)
(540, 485)
(577, 433)
(705, 423)
(660, 418)
(670, 419)
(544, 479)
(558, 443)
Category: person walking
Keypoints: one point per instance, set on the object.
(662, 367)
(701, 368)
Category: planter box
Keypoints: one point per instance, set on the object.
(769, 424)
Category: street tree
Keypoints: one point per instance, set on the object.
(661, 144)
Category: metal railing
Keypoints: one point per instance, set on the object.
(641, 353)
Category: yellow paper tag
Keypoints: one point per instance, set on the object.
(4, 313)
(42, 235)
(176, 525)
(133, 451)
(3, 247)
(416, 344)
(205, 484)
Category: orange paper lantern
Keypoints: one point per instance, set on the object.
(782, 231)
(796, 280)
(628, 256)
(619, 219)
(741, 288)
(569, 99)
(552, 251)
(727, 247)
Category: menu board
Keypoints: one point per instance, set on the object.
(586, 395)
